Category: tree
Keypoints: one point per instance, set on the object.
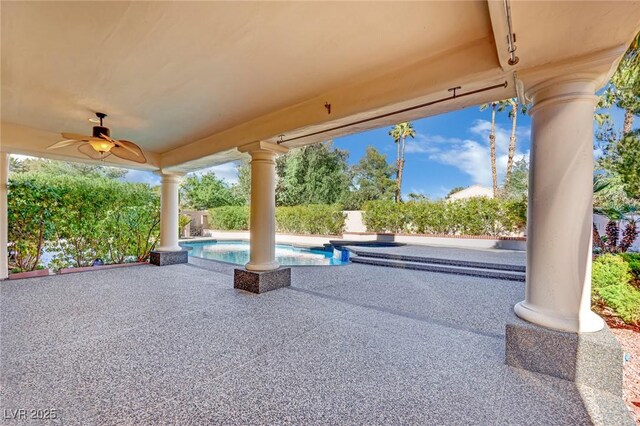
(371, 179)
(417, 197)
(627, 163)
(16, 165)
(492, 145)
(454, 190)
(53, 167)
(514, 107)
(518, 186)
(205, 192)
(623, 91)
(399, 133)
(313, 174)
(513, 114)
(242, 189)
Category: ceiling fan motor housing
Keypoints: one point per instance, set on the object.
(99, 130)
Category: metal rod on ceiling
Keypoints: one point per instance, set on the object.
(455, 95)
(511, 37)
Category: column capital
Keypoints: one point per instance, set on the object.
(169, 176)
(264, 147)
(562, 89)
(587, 73)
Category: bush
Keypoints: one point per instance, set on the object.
(314, 219)
(474, 216)
(229, 218)
(387, 216)
(81, 219)
(31, 208)
(610, 281)
(633, 260)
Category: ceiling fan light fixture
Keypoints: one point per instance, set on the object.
(101, 146)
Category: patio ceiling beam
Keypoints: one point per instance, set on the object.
(421, 82)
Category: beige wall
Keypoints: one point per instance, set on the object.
(601, 222)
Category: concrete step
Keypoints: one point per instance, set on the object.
(442, 268)
(440, 261)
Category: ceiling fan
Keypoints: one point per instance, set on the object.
(100, 145)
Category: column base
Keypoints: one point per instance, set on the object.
(589, 359)
(260, 282)
(164, 258)
(587, 322)
(262, 267)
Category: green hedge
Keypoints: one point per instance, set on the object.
(311, 219)
(474, 216)
(611, 277)
(229, 218)
(80, 219)
(315, 219)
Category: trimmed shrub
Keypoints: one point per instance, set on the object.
(386, 216)
(80, 219)
(315, 219)
(229, 218)
(474, 216)
(610, 281)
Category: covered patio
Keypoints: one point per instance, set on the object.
(346, 345)
(204, 83)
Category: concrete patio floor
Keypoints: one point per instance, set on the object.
(351, 344)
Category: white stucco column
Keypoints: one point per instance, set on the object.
(169, 213)
(263, 205)
(4, 225)
(559, 229)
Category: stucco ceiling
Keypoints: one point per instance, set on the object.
(172, 72)
(192, 81)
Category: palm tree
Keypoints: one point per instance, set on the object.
(399, 133)
(492, 145)
(626, 79)
(500, 106)
(513, 115)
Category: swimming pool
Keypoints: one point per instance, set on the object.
(238, 252)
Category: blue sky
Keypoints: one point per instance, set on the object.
(449, 150)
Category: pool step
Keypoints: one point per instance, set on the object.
(440, 261)
(484, 270)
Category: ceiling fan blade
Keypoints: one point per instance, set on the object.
(130, 146)
(128, 150)
(88, 150)
(107, 137)
(64, 143)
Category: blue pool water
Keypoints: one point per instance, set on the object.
(238, 252)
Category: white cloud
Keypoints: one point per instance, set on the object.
(142, 176)
(471, 156)
(226, 171)
(428, 144)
